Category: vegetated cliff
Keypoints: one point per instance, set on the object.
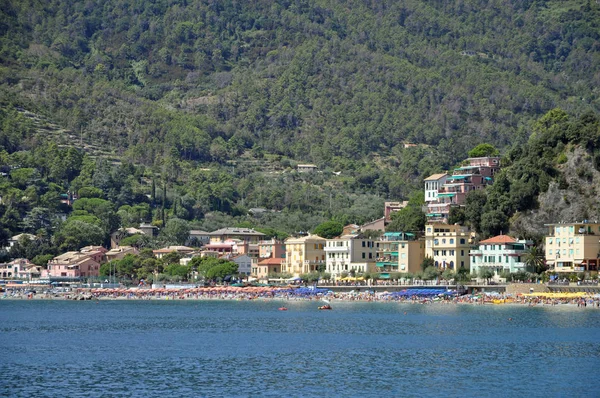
(573, 196)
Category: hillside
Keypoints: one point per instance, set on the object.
(200, 110)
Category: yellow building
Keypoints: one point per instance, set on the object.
(399, 252)
(448, 245)
(303, 255)
(573, 247)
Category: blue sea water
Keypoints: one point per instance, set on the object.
(249, 349)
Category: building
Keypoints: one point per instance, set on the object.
(448, 245)
(349, 253)
(267, 267)
(247, 235)
(13, 240)
(199, 238)
(149, 229)
(351, 229)
(73, 266)
(573, 247)
(306, 168)
(117, 236)
(20, 268)
(399, 252)
(304, 254)
(244, 263)
(181, 250)
(476, 174)
(432, 184)
(391, 207)
(96, 253)
(272, 248)
(119, 252)
(500, 253)
(375, 225)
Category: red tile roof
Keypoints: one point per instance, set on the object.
(499, 239)
(272, 261)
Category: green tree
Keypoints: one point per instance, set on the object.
(75, 234)
(176, 232)
(483, 150)
(535, 260)
(329, 229)
(427, 262)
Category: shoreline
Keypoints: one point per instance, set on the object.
(584, 302)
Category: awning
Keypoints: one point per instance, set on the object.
(447, 194)
(434, 215)
(459, 177)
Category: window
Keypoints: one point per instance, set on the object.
(443, 241)
(436, 241)
(364, 255)
(462, 252)
(550, 252)
(363, 243)
(451, 241)
(462, 241)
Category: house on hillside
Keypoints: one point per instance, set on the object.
(306, 168)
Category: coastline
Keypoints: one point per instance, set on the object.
(519, 301)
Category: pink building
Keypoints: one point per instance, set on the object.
(73, 265)
(477, 174)
(271, 249)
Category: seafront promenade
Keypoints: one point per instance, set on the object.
(416, 294)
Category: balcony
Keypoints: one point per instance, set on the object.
(337, 249)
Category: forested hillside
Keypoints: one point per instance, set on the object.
(199, 110)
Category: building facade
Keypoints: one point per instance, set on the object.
(500, 253)
(573, 247)
(432, 184)
(476, 174)
(304, 255)
(448, 245)
(349, 253)
(399, 252)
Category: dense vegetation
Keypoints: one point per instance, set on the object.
(191, 113)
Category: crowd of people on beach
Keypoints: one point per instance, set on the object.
(417, 296)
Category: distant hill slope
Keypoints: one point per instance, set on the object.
(314, 80)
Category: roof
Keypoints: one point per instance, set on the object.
(435, 176)
(19, 236)
(271, 261)
(236, 231)
(499, 239)
(198, 232)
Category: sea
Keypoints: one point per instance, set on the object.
(176, 348)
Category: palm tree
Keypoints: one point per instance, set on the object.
(535, 259)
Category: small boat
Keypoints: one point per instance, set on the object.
(325, 307)
(282, 309)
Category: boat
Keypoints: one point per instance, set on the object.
(282, 309)
(325, 307)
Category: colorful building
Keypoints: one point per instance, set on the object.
(448, 245)
(349, 253)
(304, 255)
(399, 252)
(573, 247)
(476, 174)
(432, 184)
(500, 253)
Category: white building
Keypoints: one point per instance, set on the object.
(500, 253)
(432, 184)
(349, 252)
